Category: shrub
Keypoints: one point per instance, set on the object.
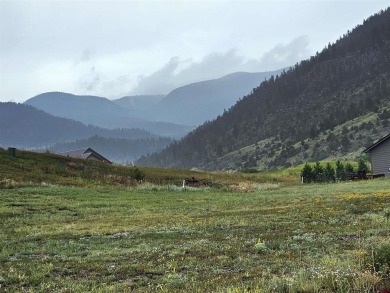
(382, 258)
(75, 166)
(349, 168)
(363, 165)
(386, 213)
(7, 183)
(352, 209)
(136, 174)
(260, 246)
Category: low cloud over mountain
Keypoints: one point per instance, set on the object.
(177, 72)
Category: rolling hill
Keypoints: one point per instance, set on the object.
(330, 105)
(138, 105)
(101, 112)
(24, 126)
(172, 115)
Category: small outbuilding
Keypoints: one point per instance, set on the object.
(86, 153)
(379, 154)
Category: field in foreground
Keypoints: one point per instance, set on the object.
(275, 238)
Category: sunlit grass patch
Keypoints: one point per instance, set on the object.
(377, 194)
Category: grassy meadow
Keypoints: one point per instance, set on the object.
(75, 226)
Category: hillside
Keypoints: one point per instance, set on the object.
(330, 105)
(24, 126)
(101, 112)
(48, 168)
(92, 110)
(198, 102)
(138, 105)
(195, 103)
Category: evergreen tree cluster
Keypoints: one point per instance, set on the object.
(319, 174)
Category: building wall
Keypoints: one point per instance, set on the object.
(380, 158)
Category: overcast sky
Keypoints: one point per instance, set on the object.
(118, 48)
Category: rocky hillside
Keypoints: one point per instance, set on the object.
(332, 104)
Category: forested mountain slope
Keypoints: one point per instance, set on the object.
(101, 112)
(348, 80)
(26, 127)
(195, 103)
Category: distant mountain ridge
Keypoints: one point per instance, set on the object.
(174, 114)
(139, 103)
(315, 110)
(198, 102)
(86, 109)
(27, 127)
(98, 111)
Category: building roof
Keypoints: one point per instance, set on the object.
(370, 148)
(85, 153)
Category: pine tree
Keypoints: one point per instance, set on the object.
(329, 173)
(362, 165)
(307, 173)
(348, 169)
(340, 171)
(318, 172)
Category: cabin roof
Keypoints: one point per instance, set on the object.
(85, 153)
(380, 141)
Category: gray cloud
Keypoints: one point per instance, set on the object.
(215, 65)
(282, 55)
(40, 41)
(160, 81)
(91, 81)
(87, 55)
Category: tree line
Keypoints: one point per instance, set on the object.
(318, 173)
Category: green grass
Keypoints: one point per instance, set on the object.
(260, 232)
(33, 168)
(56, 238)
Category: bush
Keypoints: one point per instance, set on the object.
(352, 209)
(136, 174)
(349, 168)
(363, 165)
(382, 258)
(260, 246)
(6, 183)
(250, 170)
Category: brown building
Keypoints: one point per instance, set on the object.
(379, 154)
